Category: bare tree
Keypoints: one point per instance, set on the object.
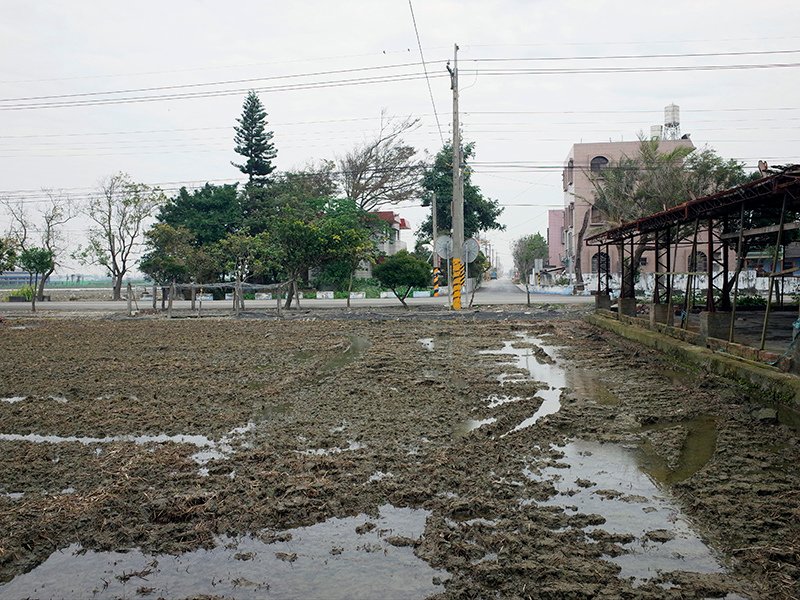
(118, 213)
(383, 170)
(45, 231)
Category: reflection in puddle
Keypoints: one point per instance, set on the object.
(13, 399)
(465, 427)
(494, 400)
(329, 560)
(535, 357)
(694, 447)
(605, 479)
(212, 450)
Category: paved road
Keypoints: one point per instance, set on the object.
(496, 292)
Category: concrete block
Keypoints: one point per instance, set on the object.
(660, 313)
(263, 296)
(715, 324)
(602, 302)
(626, 307)
(324, 295)
(421, 294)
(358, 295)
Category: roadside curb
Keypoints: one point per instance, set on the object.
(773, 384)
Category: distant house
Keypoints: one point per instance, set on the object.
(389, 242)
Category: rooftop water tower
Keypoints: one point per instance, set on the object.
(672, 122)
(656, 131)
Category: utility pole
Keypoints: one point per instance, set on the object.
(434, 256)
(457, 209)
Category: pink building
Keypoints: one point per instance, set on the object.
(555, 237)
(583, 162)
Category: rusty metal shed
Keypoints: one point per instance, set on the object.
(763, 214)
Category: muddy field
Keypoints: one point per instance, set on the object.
(515, 455)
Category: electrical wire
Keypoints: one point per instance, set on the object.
(425, 68)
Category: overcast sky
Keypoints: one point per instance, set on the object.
(524, 123)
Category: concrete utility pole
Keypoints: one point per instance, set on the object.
(435, 258)
(457, 209)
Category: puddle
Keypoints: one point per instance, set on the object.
(358, 345)
(427, 343)
(469, 425)
(13, 399)
(327, 560)
(631, 503)
(494, 400)
(694, 451)
(542, 368)
(212, 450)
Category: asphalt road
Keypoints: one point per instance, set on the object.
(495, 292)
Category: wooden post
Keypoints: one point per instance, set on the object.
(200, 305)
(193, 296)
(130, 299)
(169, 305)
(236, 295)
(155, 306)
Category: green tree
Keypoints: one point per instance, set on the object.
(254, 142)
(209, 213)
(242, 256)
(298, 245)
(353, 233)
(403, 270)
(118, 214)
(302, 194)
(525, 251)
(480, 213)
(44, 231)
(38, 262)
(8, 255)
(169, 255)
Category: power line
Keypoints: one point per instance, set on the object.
(425, 68)
(643, 69)
(636, 56)
(221, 93)
(209, 83)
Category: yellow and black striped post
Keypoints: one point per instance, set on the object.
(459, 277)
(436, 281)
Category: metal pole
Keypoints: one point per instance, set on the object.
(710, 268)
(689, 277)
(458, 193)
(774, 270)
(739, 260)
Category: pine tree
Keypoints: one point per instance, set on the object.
(254, 142)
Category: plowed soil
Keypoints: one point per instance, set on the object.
(334, 417)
